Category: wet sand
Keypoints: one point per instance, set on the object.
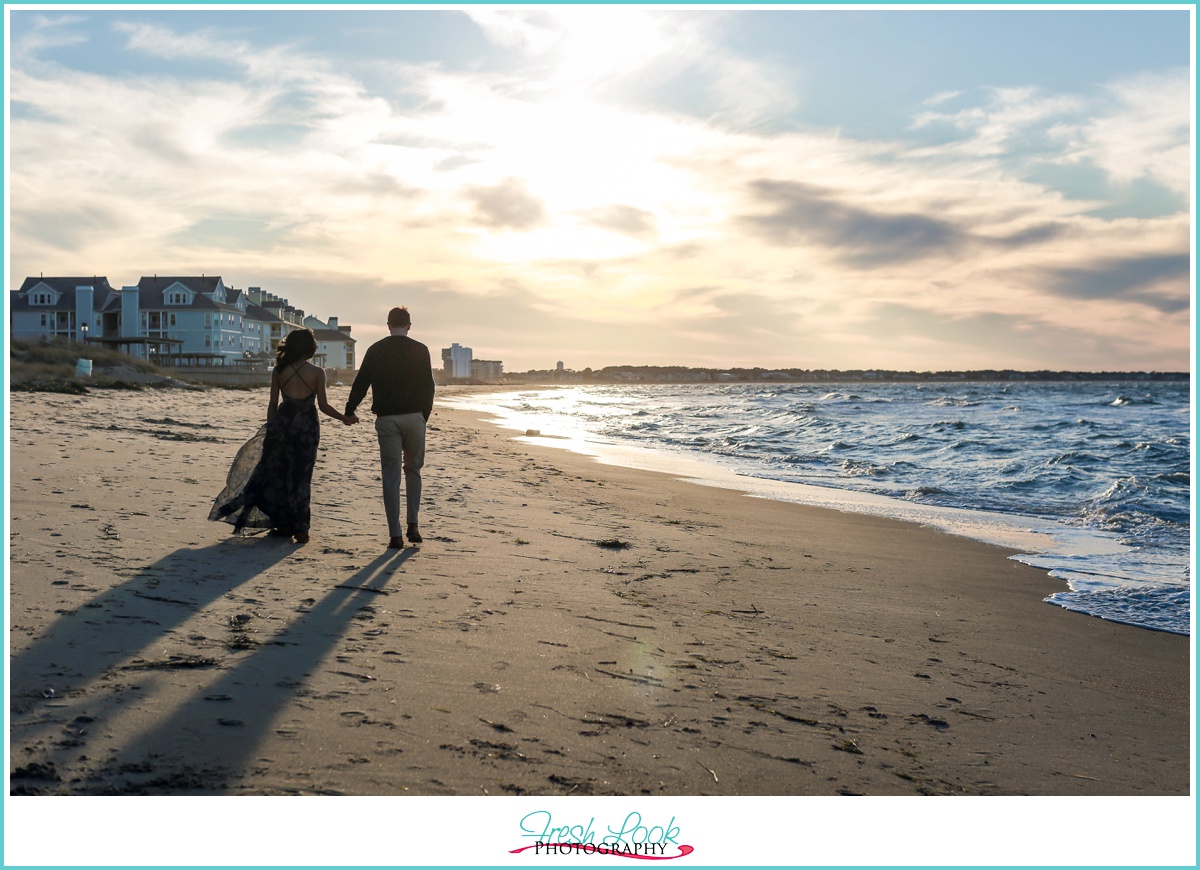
(566, 628)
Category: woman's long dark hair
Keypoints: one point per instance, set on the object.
(299, 344)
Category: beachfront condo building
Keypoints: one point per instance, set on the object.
(334, 344)
(176, 321)
(456, 361)
(487, 369)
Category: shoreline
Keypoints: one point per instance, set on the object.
(1043, 543)
(567, 628)
(1009, 531)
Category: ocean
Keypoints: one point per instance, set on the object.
(1089, 481)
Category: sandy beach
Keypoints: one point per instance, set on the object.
(566, 628)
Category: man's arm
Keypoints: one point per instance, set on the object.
(427, 389)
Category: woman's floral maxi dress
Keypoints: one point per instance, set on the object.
(270, 483)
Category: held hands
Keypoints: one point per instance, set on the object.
(350, 419)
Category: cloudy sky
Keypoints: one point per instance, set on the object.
(840, 188)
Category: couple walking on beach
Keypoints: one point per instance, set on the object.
(269, 485)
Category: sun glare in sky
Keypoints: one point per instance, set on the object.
(782, 187)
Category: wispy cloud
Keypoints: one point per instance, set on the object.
(808, 215)
(1131, 129)
(1156, 281)
(1138, 133)
(47, 32)
(622, 219)
(507, 205)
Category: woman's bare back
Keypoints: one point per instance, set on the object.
(299, 380)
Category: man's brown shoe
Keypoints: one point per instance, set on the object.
(413, 534)
(396, 543)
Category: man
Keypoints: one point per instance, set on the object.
(398, 372)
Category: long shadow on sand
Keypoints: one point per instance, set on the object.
(209, 744)
(100, 634)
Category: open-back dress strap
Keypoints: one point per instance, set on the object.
(295, 371)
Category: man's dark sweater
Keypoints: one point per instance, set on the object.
(398, 372)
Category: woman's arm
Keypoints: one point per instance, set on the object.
(323, 401)
(274, 404)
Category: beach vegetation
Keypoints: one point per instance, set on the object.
(63, 354)
(50, 366)
(613, 544)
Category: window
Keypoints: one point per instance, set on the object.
(177, 298)
(172, 316)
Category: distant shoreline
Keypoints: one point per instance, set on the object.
(680, 375)
(40, 367)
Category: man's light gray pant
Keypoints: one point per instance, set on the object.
(401, 449)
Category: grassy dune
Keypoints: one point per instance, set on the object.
(37, 366)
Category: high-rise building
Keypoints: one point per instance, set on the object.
(456, 361)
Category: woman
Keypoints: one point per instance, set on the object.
(269, 486)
